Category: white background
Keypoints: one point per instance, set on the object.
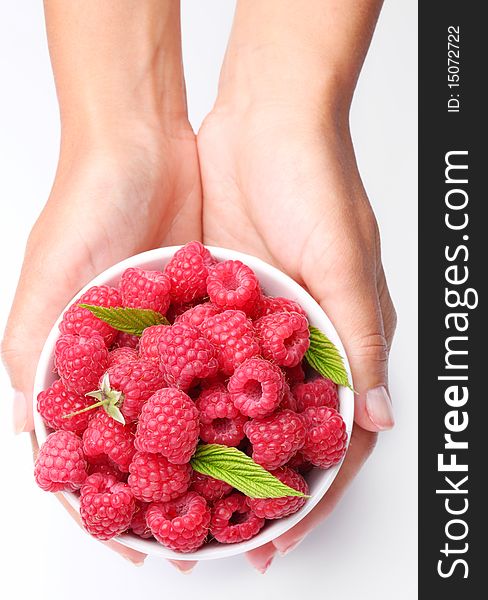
(367, 548)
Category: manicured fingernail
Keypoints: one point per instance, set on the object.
(184, 567)
(283, 551)
(133, 563)
(380, 410)
(266, 565)
(20, 412)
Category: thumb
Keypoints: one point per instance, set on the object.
(352, 304)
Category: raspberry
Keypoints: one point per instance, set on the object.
(138, 524)
(317, 392)
(187, 271)
(232, 284)
(208, 487)
(137, 380)
(232, 332)
(154, 479)
(233, 521)
(256, 387)
(276, 508)
(81, 321)
(106, 506)
(284, 337)
(289, 401)
(149, 342)
(270, 306)
(181, 524)
(56, 402)
(106, 436)
(80, 361)
(121, 355)
(145, 289)
(275, 439)
(124, 340)
(186, 356)
(196, 315)
(168, 424)
(326, 439)
(294, 374)
(60, 464)
(220, 420)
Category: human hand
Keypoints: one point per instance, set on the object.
(127, 179)
(280, 182)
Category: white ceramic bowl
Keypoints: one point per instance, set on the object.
(274, 283)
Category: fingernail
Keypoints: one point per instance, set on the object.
(20, 412)
(380, 410)
(132, 562)
(266, 565)
(184, 567)
(287, 549)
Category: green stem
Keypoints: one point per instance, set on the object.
(86, 409)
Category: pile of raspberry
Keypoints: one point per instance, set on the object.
(229, 369)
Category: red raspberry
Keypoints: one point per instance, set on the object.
(317, 392)
(270, 306)
(233, 521)
(256, 387)
(289, 401)
(326, 439)
(149, 342)
(119, 356)
(106, 436)
(138, 524)
(284, 337)
(145, 289)
(196, 315)
(208, 487)
(168, 424)
(124, 340)
(154, 479)
(187, 271)
(294, 374)
(186, 356)
(232, 332)
(220, 420)
(81, 321)
(60, 464)
(56, 402)
(181, 524)
(232, 284)
(275, 439)
(80, 361)
(137, 380)
(106, 506)
(276, 508)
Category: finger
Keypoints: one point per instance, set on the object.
(184, 566)
(351, 301)
(387, 309)
(262, 557)
(360, 447)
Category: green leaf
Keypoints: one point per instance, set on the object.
(240, 471)
(324, 357)
(128, 320)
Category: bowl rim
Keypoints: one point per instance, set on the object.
(318, 318)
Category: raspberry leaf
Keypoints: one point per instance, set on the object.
(240, 471)
(128, 320)
(324, 357)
